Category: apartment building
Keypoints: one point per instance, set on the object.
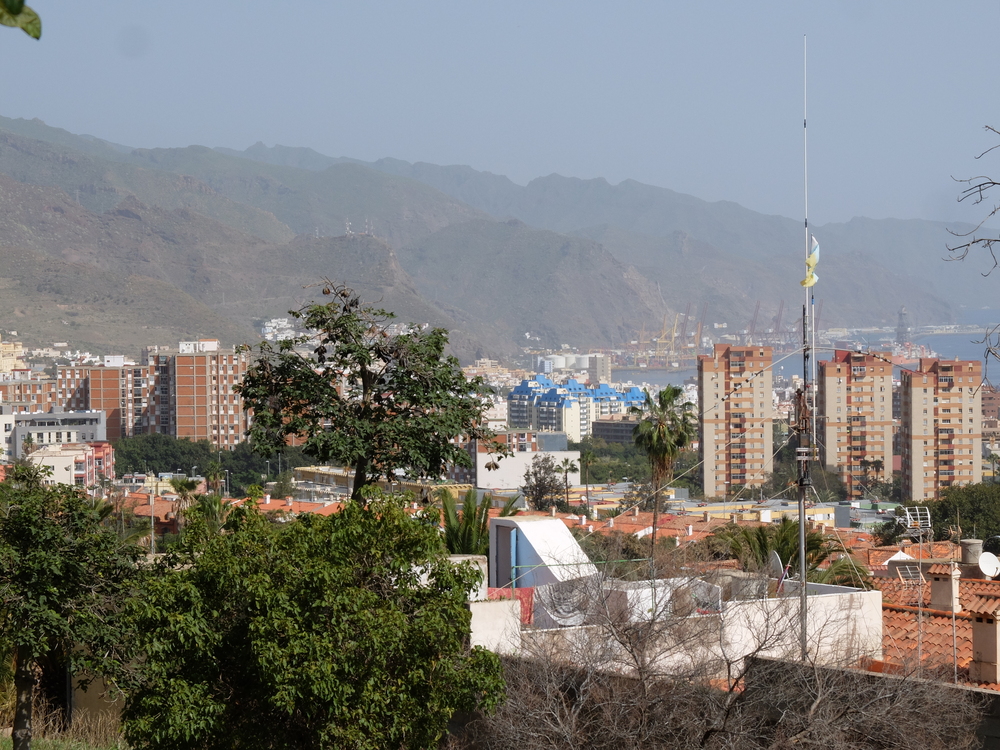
(205, 404)
(736, 417)
(54, 427)
(941, 427)
(23, 391)
(82, 464)
(123, 393)
(854, 418)
(187, 392)
(11, 355)
(541, 404)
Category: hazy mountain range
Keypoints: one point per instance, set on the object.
(112, 247)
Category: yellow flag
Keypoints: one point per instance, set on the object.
(811, 262)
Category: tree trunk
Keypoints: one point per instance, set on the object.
(360, 478)
(24, 685)
(657, 476)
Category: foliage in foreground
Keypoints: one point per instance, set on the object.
(346, 631)
(62, 575)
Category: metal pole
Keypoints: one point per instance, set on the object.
(804, 447)
(152, 526)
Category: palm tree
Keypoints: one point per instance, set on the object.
(586, 459)
(753, 546)
(214, 509)
(667, 427)
(213, 475)
(469, 533)
(566, 467)
(184, 489)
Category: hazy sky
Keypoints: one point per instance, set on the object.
(703, 98)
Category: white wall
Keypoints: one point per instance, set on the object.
(510, 475)
(496, 625)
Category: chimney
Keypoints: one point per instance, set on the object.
(635, 511)
(552, 511)
(583, 520)
(611, 523)
(689, 529)
(983, 667)
(267, 499)
(706, 517)
(288, 501)
(944, 587)
(971, 550)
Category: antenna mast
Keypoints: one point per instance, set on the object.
(805, 428)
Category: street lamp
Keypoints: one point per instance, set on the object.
(227, 482)
(192, 469)
(268, 469)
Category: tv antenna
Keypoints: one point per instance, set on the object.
(918, 525)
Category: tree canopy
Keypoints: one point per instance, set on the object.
(344, 631)
(973, 507)
(371, 395)
(666, 428)
(62, 577)
(542, 483)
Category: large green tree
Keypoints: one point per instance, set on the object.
(372, 395)
(63, 575)
(341, 632)
(964, 509)
(666, 428)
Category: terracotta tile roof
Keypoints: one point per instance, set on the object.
(940, 569)
(983, 605)
(861, 544)
(942, 639)
(900, 636)
(895, 592)
(138, 503)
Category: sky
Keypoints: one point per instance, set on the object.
(702, 98)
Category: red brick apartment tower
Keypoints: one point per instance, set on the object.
(941, 427)
(72, 385)
(29, 395)
(160, 360)
(124, 394)
(205, 407)
(737, 414)
(855, 417)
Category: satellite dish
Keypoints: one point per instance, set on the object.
(775, 565)
(989, 565)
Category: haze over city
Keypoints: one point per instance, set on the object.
(702, 99)
(466, 364)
